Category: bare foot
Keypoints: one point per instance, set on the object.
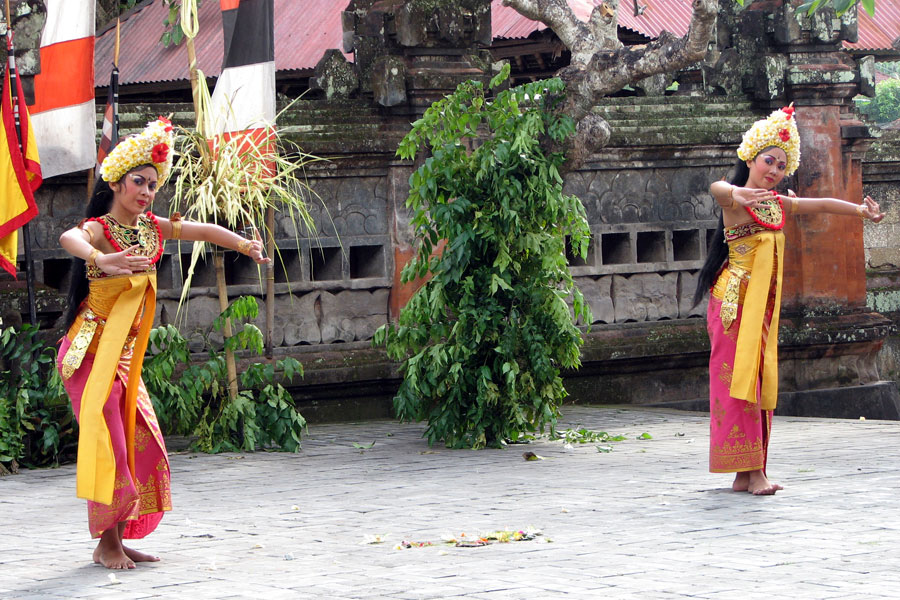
(112, 558)
(741, 482)
(760, 485)
(139, 556)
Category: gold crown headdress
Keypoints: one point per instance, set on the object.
(779, 130)
(152, 146)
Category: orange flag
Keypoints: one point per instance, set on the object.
(20, 172)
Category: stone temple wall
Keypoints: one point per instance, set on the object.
(646, 200)
(881, 179)
(645, 195)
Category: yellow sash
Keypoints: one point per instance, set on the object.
(96, 474)
(769, 247)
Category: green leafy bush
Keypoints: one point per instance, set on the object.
(194, 400)
(483, 340)
(37, 426)
(36, 421)
(885, 106)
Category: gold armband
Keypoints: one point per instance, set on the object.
(175, 221)
(83, 226)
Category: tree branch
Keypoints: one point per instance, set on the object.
(600, 65)
(604, 24)
(558, 16)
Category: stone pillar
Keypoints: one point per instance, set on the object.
(824, 260)
(804, 64)
(407, 55)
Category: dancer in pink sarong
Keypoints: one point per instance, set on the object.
(123, 469)
(743, 312)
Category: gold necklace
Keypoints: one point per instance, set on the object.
(145, 234)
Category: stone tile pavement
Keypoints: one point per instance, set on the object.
(645, 520)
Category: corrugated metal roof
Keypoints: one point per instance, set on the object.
(878, 33)
(304, 30)
(672, 15)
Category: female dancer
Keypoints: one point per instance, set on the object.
(743, 312)
(123, 469)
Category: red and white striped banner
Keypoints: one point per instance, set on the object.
(244, 97)
(63, 115)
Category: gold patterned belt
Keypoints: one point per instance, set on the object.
(730, 293)
(84, 335)
(743, 230)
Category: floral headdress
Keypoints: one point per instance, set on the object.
(151, 146)
(779, 130)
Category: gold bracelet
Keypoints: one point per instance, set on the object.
(731, 195)
(859, 211)
(244, 247)
(92, 258)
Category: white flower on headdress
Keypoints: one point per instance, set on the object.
(780, 130)
(151, 146)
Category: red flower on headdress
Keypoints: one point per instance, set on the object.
(788, 111)
(160, 152)
(167, 122)
(784, 134)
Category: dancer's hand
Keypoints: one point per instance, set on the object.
(749, 197)
(870, 210)
(123, 263)
(256, 249)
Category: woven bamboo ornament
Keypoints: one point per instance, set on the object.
(780, 130)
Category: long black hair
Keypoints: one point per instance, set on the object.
(101, 201)
(717, 253)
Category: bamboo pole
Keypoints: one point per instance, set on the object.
(190, 28)
(270, 282)
(230, 366)
(118, 40)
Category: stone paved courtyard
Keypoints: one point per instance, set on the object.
(644, 520)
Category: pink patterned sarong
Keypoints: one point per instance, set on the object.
(738, 430)
(141, 498)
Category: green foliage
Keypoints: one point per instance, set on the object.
(586, 436)
(173, 34)
(889, 68)
(483, 340)
(885, 106)
(36, 421)
(195, 400)
(840, 6)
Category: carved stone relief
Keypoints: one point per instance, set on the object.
(349, 206)
(643, 195)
